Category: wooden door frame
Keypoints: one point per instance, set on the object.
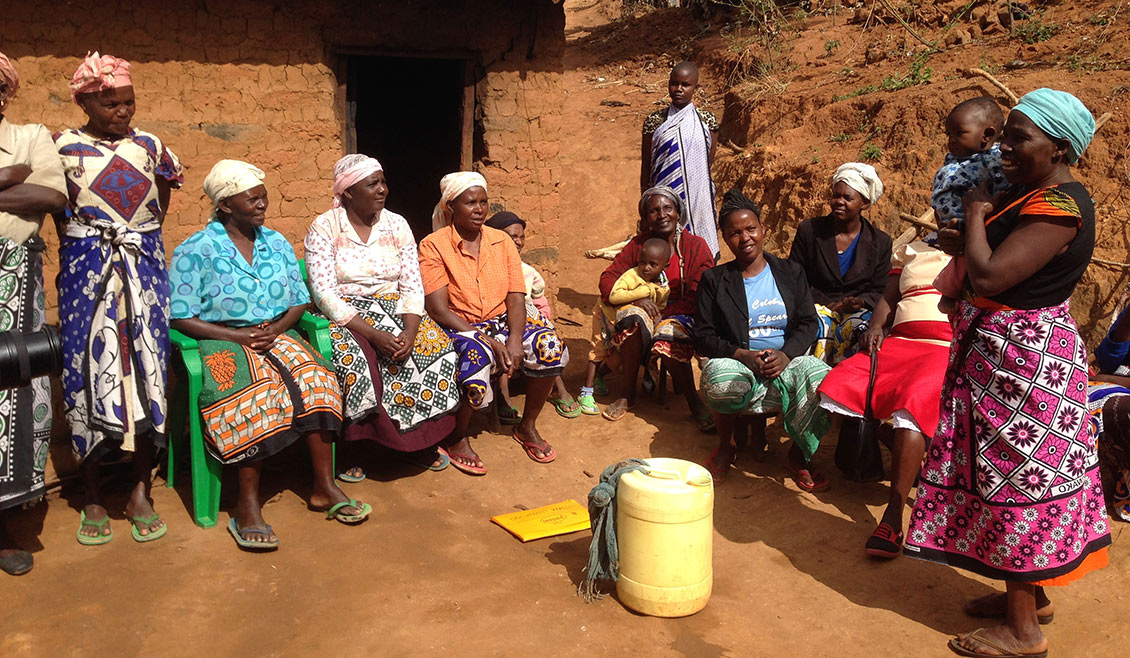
(347, 111)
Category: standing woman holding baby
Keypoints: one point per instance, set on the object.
(1010, 488)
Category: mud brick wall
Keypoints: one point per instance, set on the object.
(256, 81)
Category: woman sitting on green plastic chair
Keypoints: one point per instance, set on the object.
(236, 288)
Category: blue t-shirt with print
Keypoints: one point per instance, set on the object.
(767, 315)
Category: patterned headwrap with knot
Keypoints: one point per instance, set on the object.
(450, 187)
(351, 170)
(11, 77)
(99, 72)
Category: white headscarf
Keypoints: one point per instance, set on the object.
(860, 177)
(451, 186)
(351, 170)
(230, 177)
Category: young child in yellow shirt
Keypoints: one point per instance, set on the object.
(647, 280)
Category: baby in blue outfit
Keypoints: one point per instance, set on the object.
(972, 127)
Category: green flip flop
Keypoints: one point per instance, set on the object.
(508, 415)
(147, 520)
(599, 387)
(97, 540)
(349, 519)
(588, 405)
(563, 409)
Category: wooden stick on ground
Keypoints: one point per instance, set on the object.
(1013, 98)
(1102, 120)
(1112, 263)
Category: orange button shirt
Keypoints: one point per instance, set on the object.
(476, 287)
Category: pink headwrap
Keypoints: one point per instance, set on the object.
(98, 72)
(351, 170)
(8, 72)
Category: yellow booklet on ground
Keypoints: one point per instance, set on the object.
(547, 521)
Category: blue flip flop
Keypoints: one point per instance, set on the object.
(433, 461)
(237, 534)
(344, 476)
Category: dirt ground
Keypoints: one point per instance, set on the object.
(429, 574)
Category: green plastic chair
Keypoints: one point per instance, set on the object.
(206, 469)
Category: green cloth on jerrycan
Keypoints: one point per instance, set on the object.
(604, 554)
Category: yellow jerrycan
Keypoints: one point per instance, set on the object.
(665, 533)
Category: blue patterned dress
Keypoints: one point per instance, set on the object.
(114, 288)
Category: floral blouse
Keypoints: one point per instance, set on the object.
(340, 264)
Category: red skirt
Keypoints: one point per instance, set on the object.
(909, 378)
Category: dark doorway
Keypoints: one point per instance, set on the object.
(409, 113)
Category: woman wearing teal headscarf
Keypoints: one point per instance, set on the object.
(1010, 488)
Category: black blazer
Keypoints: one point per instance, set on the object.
(814, 249)
(722, 323)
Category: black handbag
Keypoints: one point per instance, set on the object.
(857, 452)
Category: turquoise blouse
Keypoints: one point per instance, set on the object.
(212, 281)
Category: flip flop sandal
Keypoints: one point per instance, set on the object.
(17, 564)
(97, 540)
(588, 405)
(599, 387)
(332, 513)
(884, 542)
(344, 476)
(431, 460)
(532, 451)
(237, 534)
(563, 407)
(718, 472)
(508, 415)
(608, 416)
(798, 474)
(1002, 652)
(147, 520)
(469, 469)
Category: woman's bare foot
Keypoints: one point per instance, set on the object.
(464, 458)
(95, 513)
(617, 409)
(252, 519)
(535, 446)
(139, 507)
(995, 606)
(1000, 640)
(323, 498)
